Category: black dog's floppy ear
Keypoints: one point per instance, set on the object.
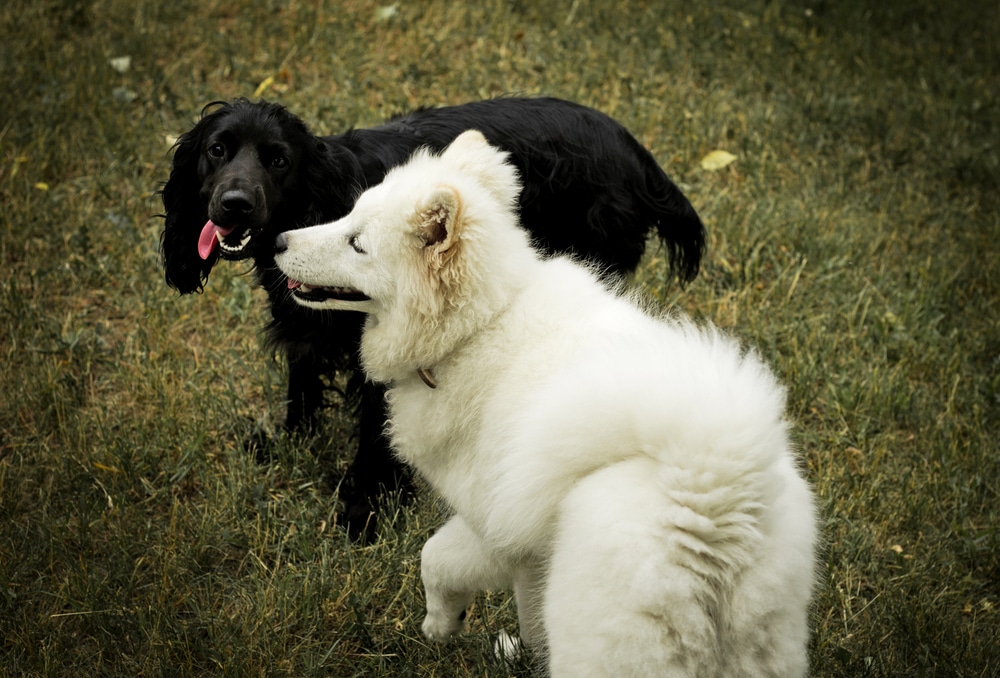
(186, 213)
(439, 222)
(331, 178)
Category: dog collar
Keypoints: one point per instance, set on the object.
(427, 377)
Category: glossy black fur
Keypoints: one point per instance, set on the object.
(589, 188)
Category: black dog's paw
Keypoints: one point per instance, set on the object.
(261, 446)
(359, 517)
(363, 511)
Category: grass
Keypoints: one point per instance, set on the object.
(852, 241)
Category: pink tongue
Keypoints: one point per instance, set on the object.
(294, 284)
(207, 241)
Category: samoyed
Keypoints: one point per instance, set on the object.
(629, 476)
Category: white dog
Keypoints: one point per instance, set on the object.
(630, 477)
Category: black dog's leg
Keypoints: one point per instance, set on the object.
(305, 393)
(375, 469)
(305, 397)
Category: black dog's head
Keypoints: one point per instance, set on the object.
(244, 173)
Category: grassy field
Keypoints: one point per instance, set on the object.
(853, 241)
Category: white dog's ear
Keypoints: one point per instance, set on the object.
(439, 220)
(472, 155)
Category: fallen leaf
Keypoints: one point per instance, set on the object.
(121, 64)
(124, 94)
(262, 87)
(387, 12)
(716, 160)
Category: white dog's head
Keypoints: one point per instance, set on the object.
(430, 253)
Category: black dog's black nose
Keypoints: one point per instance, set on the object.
(280, 243)
(237, 201)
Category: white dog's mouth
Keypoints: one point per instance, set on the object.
(319, 293)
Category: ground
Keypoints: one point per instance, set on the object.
(850, 241)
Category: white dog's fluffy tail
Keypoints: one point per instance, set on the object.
(642, 585)
(695, 558)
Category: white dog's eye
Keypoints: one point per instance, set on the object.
(353, 242)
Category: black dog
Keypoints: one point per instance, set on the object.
(248, 171)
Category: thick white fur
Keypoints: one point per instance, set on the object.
(629, 476)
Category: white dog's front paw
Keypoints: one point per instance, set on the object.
(440, 627)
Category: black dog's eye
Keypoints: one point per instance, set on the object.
(353, 242)
(279, 162)
(217, 151)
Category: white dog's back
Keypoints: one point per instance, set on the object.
(629, 476)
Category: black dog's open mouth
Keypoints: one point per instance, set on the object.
(318, 293)
(233, 241)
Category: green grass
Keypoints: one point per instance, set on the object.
(852, 241)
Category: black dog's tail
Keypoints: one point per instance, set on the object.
(677, 223)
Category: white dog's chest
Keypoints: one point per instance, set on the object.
(430, 425)
(451, 437)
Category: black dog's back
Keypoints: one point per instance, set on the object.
(590, 188)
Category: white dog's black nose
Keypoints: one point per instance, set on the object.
(280, 243)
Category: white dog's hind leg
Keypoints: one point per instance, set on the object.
(455, 566)
(618, 602)
(529, 591)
